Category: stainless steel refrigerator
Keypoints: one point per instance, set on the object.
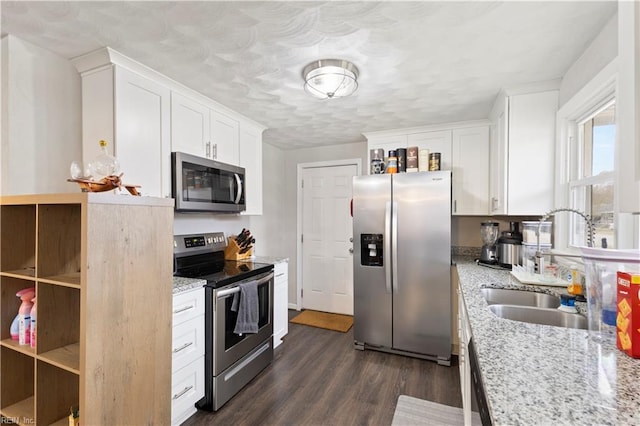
(402, 264)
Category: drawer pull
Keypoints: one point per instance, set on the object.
(183, 347)
(186, 308)
(182, 392)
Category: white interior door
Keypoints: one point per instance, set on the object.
(327, 230)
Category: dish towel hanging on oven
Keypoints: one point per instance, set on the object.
(246, 304)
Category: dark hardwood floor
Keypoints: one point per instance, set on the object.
(318, 378)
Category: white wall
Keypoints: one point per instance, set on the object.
(41, 119)
(291, 160)
(602, 50)
(268, 229)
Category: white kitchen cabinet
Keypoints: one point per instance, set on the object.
(386, 143)
(189, 125)
(130, 112)
(464, 335)
(470, 171)
(251, 160)
(434, 142)
(188, 347)
(225, 138)
(463, 148)
(522, 157)
(200, 130)
(280, 302)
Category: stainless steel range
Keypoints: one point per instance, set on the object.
(231, 360)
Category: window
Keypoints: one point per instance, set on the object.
(591, 189)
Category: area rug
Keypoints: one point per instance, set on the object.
(335, 322)
(414, 411)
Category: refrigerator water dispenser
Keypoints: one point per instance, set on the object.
(371, 249)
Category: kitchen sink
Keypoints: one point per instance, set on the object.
(536, 315)
(501, 296)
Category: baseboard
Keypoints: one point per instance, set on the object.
(293, 306)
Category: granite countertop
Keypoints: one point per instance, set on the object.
(268, 259)
(539, 374)
(181, 284)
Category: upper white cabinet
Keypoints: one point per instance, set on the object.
(463, 148)
(386, 143)
(189, 126)
(434, 142)
(470, 161)
(251, 160)
(200, 130)
(225, 137)
(145, 116)
(131, 113)
(522, 153)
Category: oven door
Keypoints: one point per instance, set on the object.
(229, 347)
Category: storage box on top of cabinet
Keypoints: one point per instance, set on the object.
(95, 260)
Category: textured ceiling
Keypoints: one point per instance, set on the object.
(420, 62)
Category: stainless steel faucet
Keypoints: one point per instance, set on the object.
(590, 232)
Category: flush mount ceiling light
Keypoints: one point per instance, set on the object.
(330, 78)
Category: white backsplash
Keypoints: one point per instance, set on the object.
(194, 223)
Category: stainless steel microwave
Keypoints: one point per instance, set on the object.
(202, 185)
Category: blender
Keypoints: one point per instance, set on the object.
(489, 234)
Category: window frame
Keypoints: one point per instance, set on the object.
(592, 97)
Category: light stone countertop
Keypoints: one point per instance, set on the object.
(181, 284)
(538, 374)
(268, 259)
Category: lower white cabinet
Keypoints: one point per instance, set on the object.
(280, 302)
(187, 366)
(464, 334)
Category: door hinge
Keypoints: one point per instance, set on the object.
(302, 183)
(302, 238)
(301, 292)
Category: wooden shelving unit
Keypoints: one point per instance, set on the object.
(94, 260)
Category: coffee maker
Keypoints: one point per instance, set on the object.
(489, 234)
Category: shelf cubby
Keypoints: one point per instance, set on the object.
(9, 304)
(58, 324)
(59, 242)
(18, 249)
(16, 394)
(56, 391)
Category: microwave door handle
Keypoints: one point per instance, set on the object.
(239, 193)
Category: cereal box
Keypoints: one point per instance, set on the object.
(628, 319)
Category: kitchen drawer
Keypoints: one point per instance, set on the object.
(188, 342)
(188, 305)
(187, 388)
(280, 271)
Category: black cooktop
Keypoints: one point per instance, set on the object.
(216, 271)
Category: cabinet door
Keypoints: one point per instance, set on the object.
(251, 160)
(142, 135)
(386, 144)
(225, 134)
(470, 177)
(531, 148)
(280, 303)
(434, 142)
(189, 125)
(498, 162)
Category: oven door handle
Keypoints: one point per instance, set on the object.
(226, 292)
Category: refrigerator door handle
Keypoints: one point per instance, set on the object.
(394, 245)
(387, 246)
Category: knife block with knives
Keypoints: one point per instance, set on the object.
(239, 246)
